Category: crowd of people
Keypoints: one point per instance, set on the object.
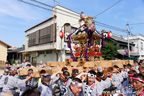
(111, 81)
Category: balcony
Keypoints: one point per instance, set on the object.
(132, 53)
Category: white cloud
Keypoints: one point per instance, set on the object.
(19, 10)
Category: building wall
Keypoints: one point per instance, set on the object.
(43, 57)
(137, 40)
(3, 52)
(42, 46)
(47, 57)
(62, 18)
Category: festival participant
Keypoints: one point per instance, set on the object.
(42, 65)
(32, 92)
(31, 84)
(42, 72)
(64, 69)
(137, 67)
(28, 66)
(60, 85)
(99, 76)
(138, 83)
(117, 74)
(114, 81)
(7, 66)
(125, 67)
(105, 81)
(10, 83)
(23, 65)
(129, 66)
(124, 75)
(2, 78)
(75, 72)
(46, 86)
(75, 88)
(91, 88)
(128, 83)
(141, 70)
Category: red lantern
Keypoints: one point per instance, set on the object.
(93, 26)
(75, 46)
(82, 15)
(97, 46)
(110, 34)
(61, 34)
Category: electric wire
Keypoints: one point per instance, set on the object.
(98, 23)
(108, 8)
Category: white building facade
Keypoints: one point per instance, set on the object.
(138, 49)
(42, 41)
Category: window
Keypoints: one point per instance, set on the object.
(47, 34)
(49, 52)
(142, 55)
(141, 45)
(43, 36)
(32, 38)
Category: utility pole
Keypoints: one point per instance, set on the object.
(128, 33)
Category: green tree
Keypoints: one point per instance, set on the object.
(110, 51)
(23, 46)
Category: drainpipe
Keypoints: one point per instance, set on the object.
(54, 29)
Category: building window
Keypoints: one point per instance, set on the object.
(47, 34)
(49, 52)
(32, 38)
(141, 45)
(43, 36)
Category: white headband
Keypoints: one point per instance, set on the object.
(102, 75)
(91, 75)
(77, 84)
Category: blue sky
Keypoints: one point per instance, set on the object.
(16, 17)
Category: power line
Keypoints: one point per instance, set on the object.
(46, 8)
(98, 23)
(52, 7)
(109, 26)
(42, 3)
(35, 5)
(107, 8)
(131, 33)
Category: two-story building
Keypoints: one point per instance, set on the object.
(138, 49)
(42, 41)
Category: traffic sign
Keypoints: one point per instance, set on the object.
(127, 52)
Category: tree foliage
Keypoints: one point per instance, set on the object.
(23, 46)
(110, 51)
